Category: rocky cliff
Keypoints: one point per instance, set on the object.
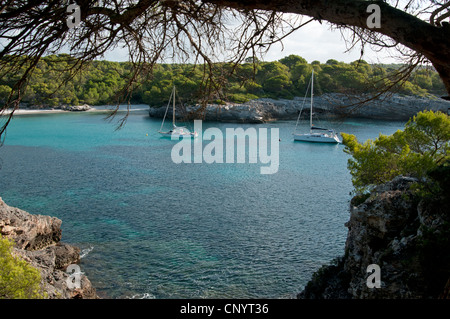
(72, 108)
(37, 240)
(406, 235)
(395, 107)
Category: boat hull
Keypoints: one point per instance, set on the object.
(316, 138)
(178, 136)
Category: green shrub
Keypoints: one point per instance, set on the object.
(18, 279)
(422, 146)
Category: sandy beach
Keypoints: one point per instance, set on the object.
(30, 111)
(102, 108)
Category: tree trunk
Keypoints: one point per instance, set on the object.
(431, 41)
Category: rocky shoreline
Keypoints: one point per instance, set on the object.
(70, 108)
(402, 234)
(37, 240)
(395, 107)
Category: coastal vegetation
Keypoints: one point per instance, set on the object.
(421, 151)
(18, 279)
(399, 216)
(422, 147)
(101, 82)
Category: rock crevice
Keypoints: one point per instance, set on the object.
(392, 228)
(37, 240)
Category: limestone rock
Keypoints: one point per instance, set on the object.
(76, 108)
(374, 232)
(388, 230)
(395, 107)
(29, 232)
(37, 241)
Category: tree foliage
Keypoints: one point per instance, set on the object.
(421, 147)
(18, 279)
(100, 81)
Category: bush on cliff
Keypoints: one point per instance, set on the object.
(18, 279)
(421, 147)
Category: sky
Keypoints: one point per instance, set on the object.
(313, 41)
(316, 41)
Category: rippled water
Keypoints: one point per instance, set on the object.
(149, 228)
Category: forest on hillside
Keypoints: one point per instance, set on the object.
(100, 82)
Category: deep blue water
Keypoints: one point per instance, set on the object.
(149, 228)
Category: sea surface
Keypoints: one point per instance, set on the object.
(150, 228)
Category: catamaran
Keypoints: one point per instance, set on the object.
(316, 134)
(176, 132)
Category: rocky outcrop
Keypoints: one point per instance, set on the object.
(395, 107)
(250, 112)
(37, 240)
(402, 233)
(75, 108)
(72, 108)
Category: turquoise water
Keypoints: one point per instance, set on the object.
(149, 228)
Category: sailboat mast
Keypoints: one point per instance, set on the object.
(173, 111)
(312, 94)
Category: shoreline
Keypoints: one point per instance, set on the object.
(56, 111)
(31, 111)
(332, 105)
(263, 110)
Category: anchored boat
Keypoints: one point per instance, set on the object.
(316, 134)
(176, 132)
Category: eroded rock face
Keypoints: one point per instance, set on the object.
(261, 110)
(378, 234)
(76, 108)
(386, 230)
(29, 232)
(37, 240)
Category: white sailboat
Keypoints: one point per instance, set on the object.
(316, 134)
(176, 132)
